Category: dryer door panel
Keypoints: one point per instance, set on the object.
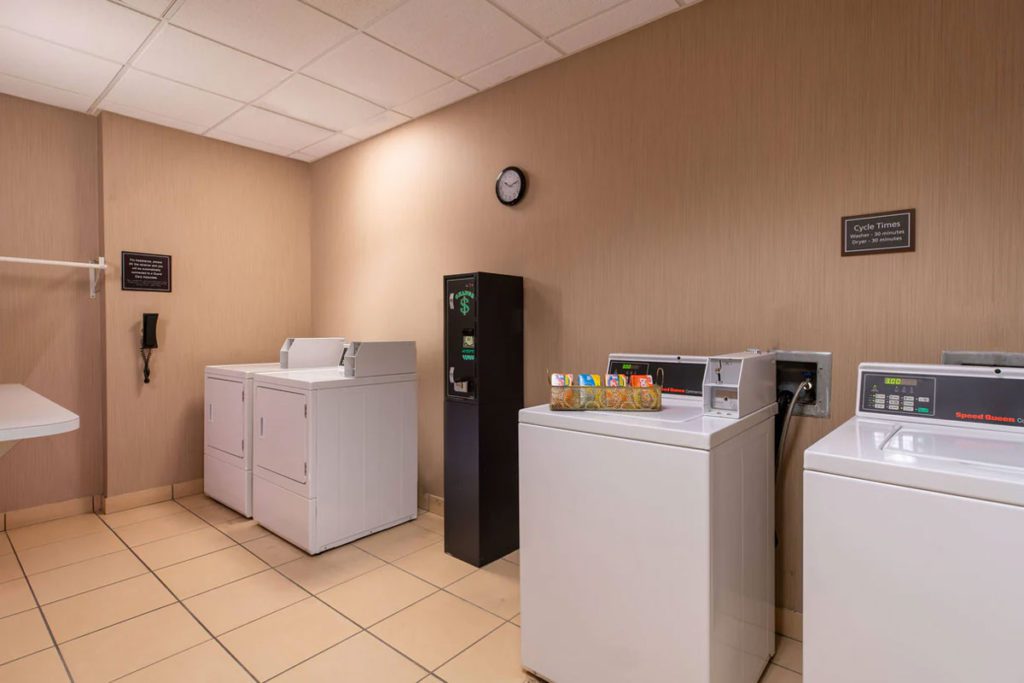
(225, 416)
(280, 433)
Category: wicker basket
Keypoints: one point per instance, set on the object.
(635, 399)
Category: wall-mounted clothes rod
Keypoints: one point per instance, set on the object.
(95, 267)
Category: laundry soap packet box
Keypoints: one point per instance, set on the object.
(557, 379)
(641, 381)
(587, 380)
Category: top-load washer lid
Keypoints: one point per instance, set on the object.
(951, 430)
(680, 422)
(241, 370)
(325, 378)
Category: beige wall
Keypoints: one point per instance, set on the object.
(236, 223)
(687, 184)
(50, 330)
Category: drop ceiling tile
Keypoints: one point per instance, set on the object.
(455, 36)
(304, 98)
(273, 129)
(358, 13)
(329, 146)
(371, 69)
(617, 20)
(376, 125)
(154, 8)
(246, 142)
(548, 17)
(38, 92)
(516, 64)
(95, 26)
(285, 32)
(37, 60)
(450, 92)
(159, 100)
(302, 156)
(194, 60)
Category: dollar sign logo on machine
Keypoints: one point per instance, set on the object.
(464, 306)
(464, 298)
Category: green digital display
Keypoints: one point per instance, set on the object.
(901, 381)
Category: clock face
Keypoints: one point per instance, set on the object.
(510, 186)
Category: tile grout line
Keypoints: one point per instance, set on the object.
(42, 615)
(183, 606)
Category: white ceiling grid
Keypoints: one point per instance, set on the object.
(299, 78)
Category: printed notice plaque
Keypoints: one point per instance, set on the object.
(145, 272)
(878, 233)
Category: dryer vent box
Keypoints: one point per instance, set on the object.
(793, 367)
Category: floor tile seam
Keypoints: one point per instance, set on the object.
(169, 536)
(42, 615)
(189, 559)
(163, 659)
(465, 649)
(300, 663)
(189, 612)
(118, 622)
(62, 540)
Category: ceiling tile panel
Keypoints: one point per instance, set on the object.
(304, 98)
(246, 142)
(371, 69)
(95, 26)
(285, 32)
(617, 20)
(37, 92)
(159, 100)
(154, 8)
(376, 125)
(302, 156)
(453, 91)
(37, 60)
(273, 129)
(518, 63)
(547, 17)
(186, 57)
(329, 146)
(358, 13)
(455, 36)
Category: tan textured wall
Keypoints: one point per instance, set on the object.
(687, 184)
(50, 330)
(237, 225)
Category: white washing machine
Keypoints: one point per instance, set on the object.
(334, 449)
(914, 531)
(647, 539)
(227, 426)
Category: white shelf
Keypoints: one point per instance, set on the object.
(24, 414)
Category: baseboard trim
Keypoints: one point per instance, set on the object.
(183, 489)
(789, 623)
(434, 504)
(135, 499)
(14, 519)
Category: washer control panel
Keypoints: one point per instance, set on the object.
(892, 393)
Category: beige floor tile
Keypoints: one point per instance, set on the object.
(197, 501)
(15, 597)
(175, 549)
(376, 595)
(430, 522)
(242, 529)
(495, 587)
(87, 575)
(789, 653)
(205, 663)
(517, 620)
(433, 565)
(399, 541)
(317, 573)
(273, 550)
(69, 551)
(513, 557)
(210, 571)
(36, 535)
(160, 528)
(102, 607)
(776, 674)
(5, 544)
(42, 667)
(431, 679)
(281, 640)
(494, 659)
(436, 629)
(166, 508)
(217, 513)
(9, 568)
(361, 658)
(248, 599)
(22, 634)
(131, 645)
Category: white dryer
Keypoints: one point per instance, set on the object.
(646, 539)
(914, 530)
(335, 456)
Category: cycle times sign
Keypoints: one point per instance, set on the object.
(879, 233)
